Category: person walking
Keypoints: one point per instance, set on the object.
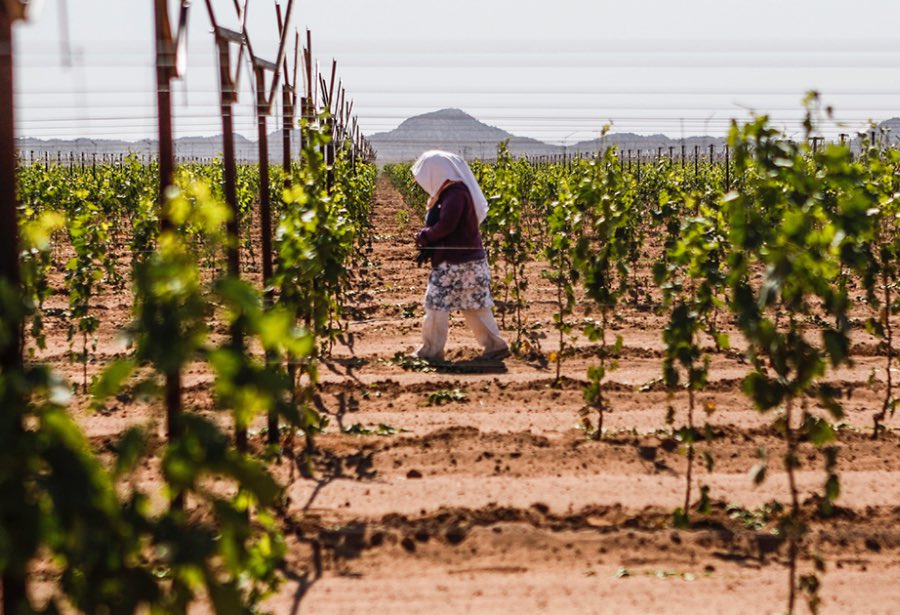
(460, 277)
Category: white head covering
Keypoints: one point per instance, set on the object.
(433, 168)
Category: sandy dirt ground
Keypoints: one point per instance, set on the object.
(497, 502)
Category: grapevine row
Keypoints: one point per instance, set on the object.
(163, 238)
(777, 244)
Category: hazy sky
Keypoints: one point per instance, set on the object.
(554, 70)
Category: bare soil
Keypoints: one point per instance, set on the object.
(501, 503)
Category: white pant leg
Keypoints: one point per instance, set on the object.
(485, 328)
(434, 334)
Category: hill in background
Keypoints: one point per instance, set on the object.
(455, 131)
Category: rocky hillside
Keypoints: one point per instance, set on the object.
(454, 131)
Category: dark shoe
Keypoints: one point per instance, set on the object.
(496, 355)
(424, 357)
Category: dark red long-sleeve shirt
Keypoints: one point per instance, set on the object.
(455, 237)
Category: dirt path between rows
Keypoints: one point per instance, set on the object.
(499, 503)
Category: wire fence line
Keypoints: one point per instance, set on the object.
(381, 107)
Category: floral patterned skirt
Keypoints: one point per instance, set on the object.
(459, 286)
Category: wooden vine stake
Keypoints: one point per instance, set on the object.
(14, 581)
(288, 100)
(265, 96)
(229, 82)
(170, 64)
